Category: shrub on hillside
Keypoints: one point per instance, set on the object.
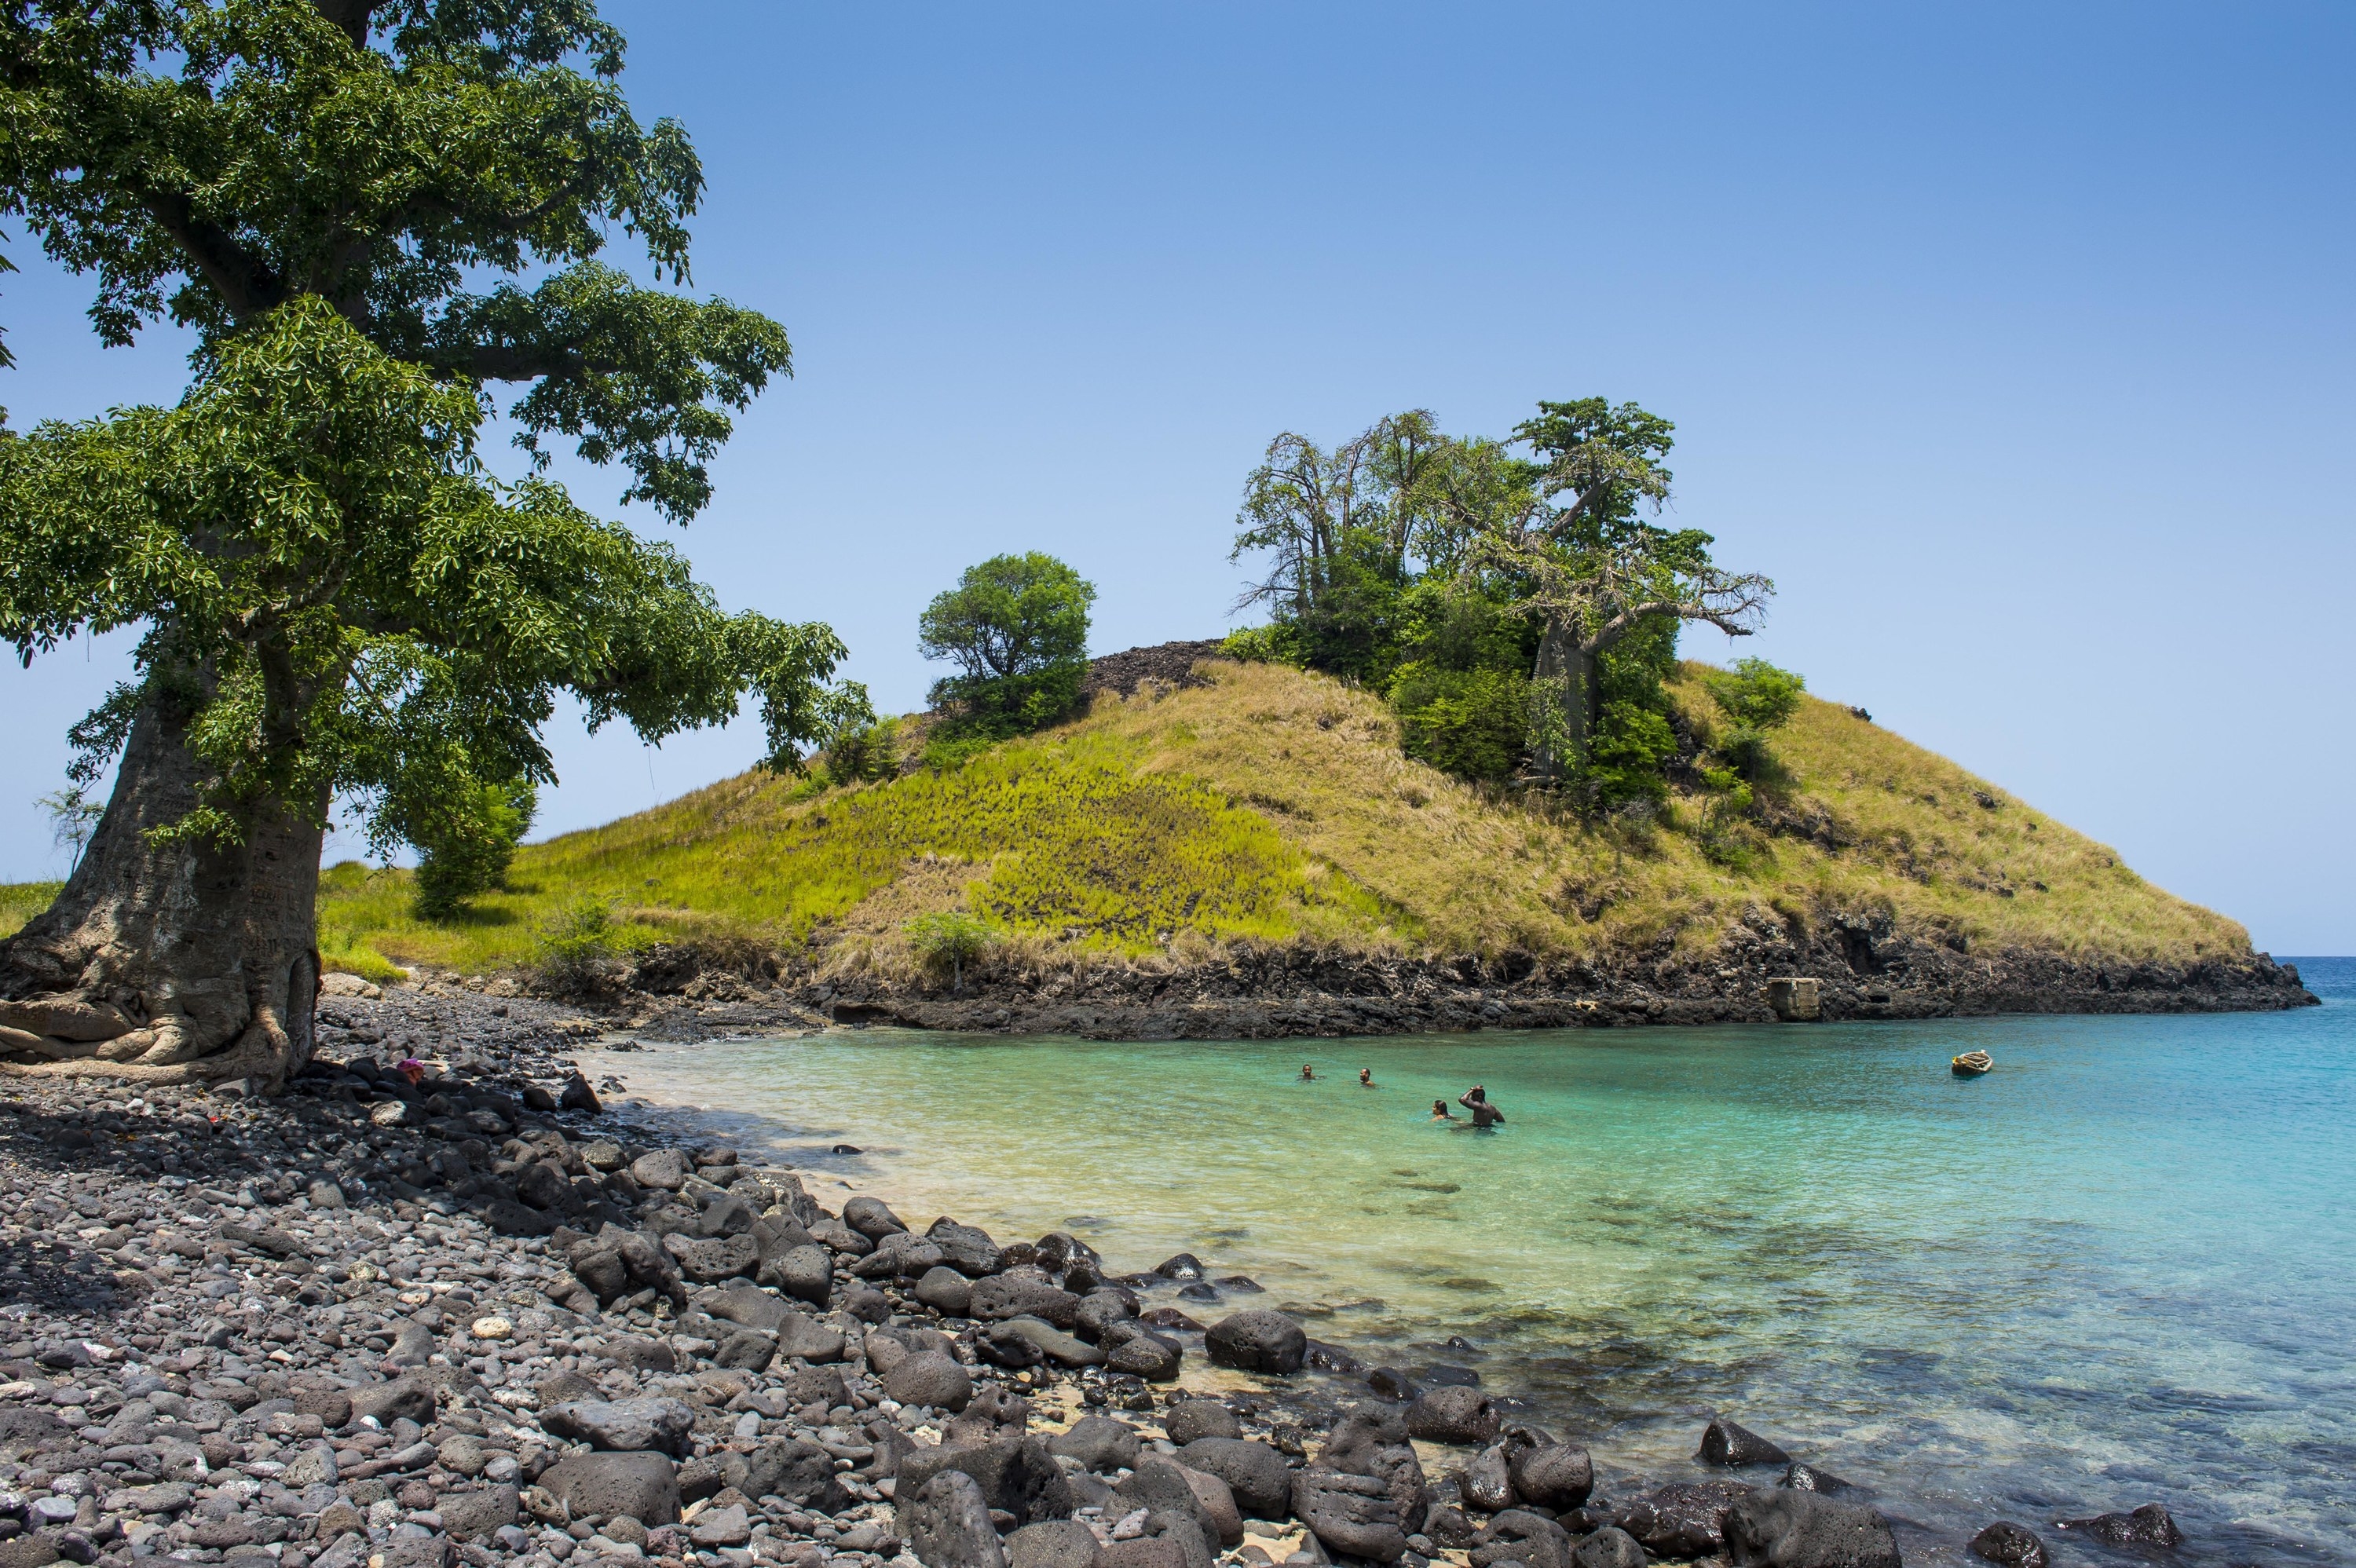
(948, 940)
(1017, 625)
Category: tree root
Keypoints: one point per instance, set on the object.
(262, 1051)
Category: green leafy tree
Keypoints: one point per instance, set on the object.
(371, 215)
(1585, 559)
(470, 843)
(1758, 697)
(1017, 627)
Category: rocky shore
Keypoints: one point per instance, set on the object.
(437, 1303)
(1862, 970)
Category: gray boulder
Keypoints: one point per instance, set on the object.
(1784, 1528)
(470, 1516)
(1609, 1548)
(798, 1336)
(627, 1427)
(1053, 1343)
(1142, 1353)
(1487, 1483)
(1352, 1514)
(643, 1485)
(1100, 1308)
(1193, 1418)
(1517, 1535)
(1158, 1486)
(947, 1524)
(1808, 1479)
(1256, 1474)
(1557, 1476)
(1371, 1440)
(1258, 1341)
(1016, 1474)
(1452, 1414)
(930, 1378)
(872, 1218)
(711, 1261)
(798, 1472)
(1099, 1443)
(804, 1273)
(1007, 1296)
(718, 1529)
(410, 1399)
(898, 1257)
(746, 1349)
(1053, 1544)
(946, 1291)
(635, 1351)
(666, 1170)
(747, 1307)
(966, 1248)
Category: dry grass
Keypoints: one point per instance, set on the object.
(1273, 805)
(1471, 869)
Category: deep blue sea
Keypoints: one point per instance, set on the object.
(2121, 1268)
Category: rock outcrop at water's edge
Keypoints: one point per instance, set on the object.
(1862, 974)
(437, 1305)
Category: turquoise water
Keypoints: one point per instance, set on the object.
(2121, 1268)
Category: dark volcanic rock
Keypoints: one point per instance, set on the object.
(1808, 1479)
(1258, 1341)
(1017, 1474)
(1557, 1476)
(947, 1524)
(1518, 1535)
(2011, 1545)
(1255, 1473)
(1456, 1415)
(1100, 1443)
(2146, 1526)
(1786, 1528)
(1609, 1548)
(643, 1485)
(930, 1378)
(1725, 1443)
(872, 1218)
(798, 1472)
(1352, 1514)
(1053, 1544)
(1682, 1520)
(1193, 1418)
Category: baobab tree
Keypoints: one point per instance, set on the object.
(369, 213)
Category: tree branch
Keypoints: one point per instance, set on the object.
(244, 284)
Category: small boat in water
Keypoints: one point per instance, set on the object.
(1971, 1063)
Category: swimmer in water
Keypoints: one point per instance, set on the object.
(1308, 1074)
(1365, 1077)
(1440, 1113)
(1484, 1115)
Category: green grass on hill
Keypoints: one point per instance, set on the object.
(20, 902)
(1271, 806)
(1060, 839)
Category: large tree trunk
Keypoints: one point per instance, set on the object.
(187, 963)
(1566, 703)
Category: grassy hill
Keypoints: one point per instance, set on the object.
(1273, 807)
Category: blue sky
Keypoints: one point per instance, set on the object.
(2015, 342)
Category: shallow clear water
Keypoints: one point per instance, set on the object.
(2118, 1269)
